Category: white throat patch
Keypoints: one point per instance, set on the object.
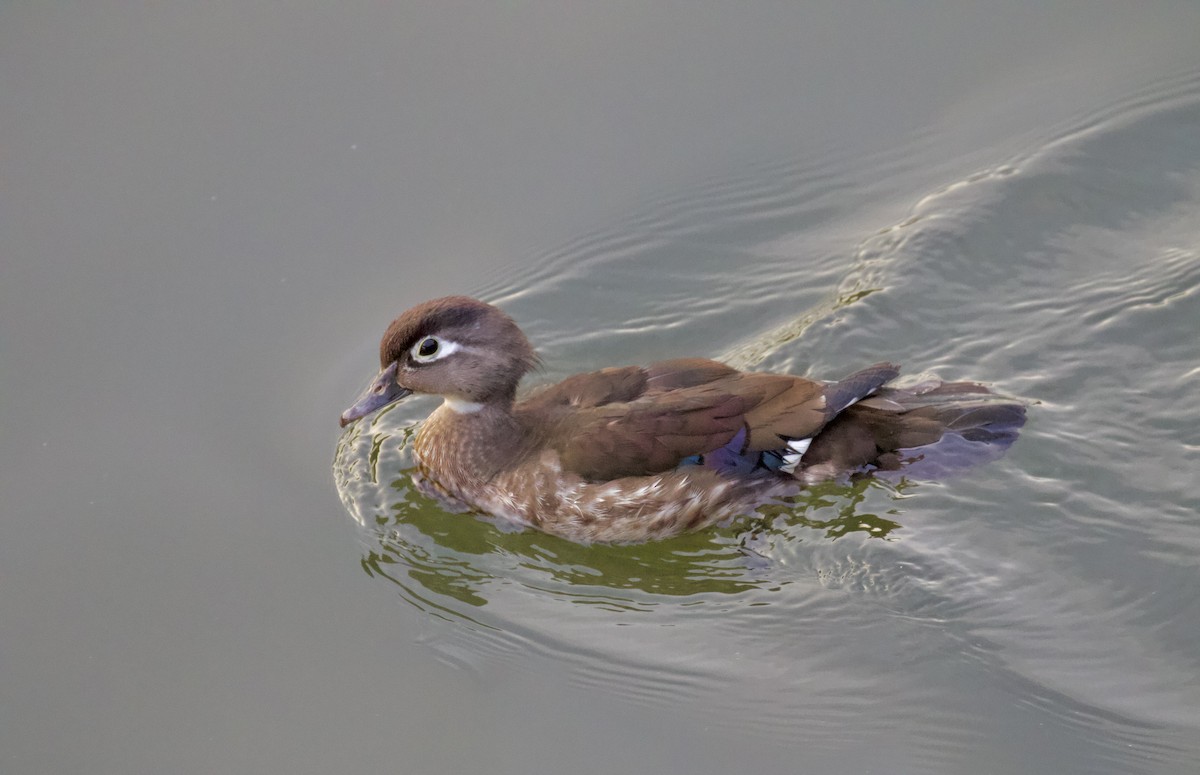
(461, 406)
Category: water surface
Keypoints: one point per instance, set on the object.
(210, 213)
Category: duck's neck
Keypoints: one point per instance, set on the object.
(461, 406)
(464, 443)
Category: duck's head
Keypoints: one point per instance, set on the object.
(462, 349)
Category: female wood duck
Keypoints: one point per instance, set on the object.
(640, 452)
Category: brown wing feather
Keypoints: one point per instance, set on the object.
(685, 373)
(690, 407)
(636, 421)
(596, 388)
(625, 384)
(786, 408)
(649, 435)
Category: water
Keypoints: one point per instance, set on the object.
(208, 221)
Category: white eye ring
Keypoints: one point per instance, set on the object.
(441, 348)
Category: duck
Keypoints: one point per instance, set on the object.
(635, 453)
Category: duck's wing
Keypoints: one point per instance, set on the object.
(650, 434)
(624, 384)
(690, 407)
(587, 391)
(789, 411)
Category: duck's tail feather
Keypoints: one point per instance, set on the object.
(858, 386)
(929, 429)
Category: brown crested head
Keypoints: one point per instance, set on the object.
(459, 347)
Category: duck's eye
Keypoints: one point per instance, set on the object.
(430, 349)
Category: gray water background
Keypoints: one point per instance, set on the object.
(208, 214)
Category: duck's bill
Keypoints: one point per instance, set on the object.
(382, 391)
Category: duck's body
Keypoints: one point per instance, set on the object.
(633, 453)
(537, 491)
